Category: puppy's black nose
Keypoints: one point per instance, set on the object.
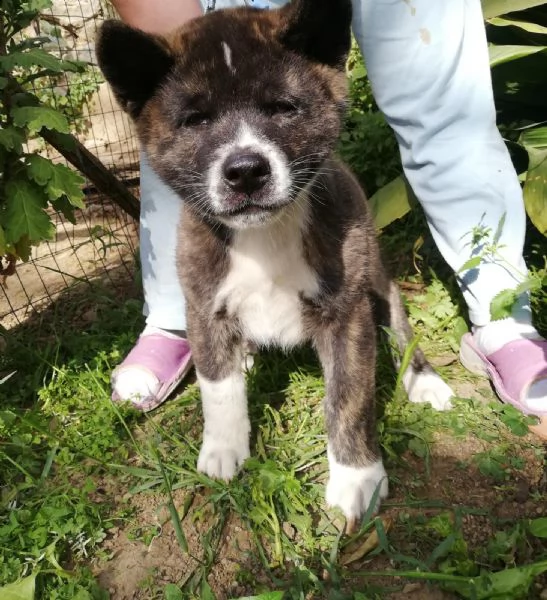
(246, 172)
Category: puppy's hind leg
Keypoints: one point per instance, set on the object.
(422, 383)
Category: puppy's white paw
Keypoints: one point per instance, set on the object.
(226, 429)
(352, 488)
(428, 387)
(219, 460)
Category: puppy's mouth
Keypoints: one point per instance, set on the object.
(251, 207)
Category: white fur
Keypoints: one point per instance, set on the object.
(427, 387)
(250, 140)
(228, 57)
(226, 426)
(266, 277)
(352, 488)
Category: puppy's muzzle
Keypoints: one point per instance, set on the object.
(246, 172)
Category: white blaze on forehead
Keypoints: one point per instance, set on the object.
(228, 56)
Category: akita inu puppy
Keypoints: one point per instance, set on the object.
(239, 112)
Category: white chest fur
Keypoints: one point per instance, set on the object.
(266, 277)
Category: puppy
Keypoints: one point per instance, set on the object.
(239, 112)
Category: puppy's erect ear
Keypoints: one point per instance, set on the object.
(319, 29)
(133, 62)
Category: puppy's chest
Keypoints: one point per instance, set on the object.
(263, 287)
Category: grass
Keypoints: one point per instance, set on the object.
(85, 483)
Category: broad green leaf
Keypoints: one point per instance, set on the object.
(39, 168)
(534, 138)
(472, 263)
(12, 139)
(62, 205)
(531, 27)
(535, 187)
(172, 592)
(23, 248)
(206, 593)
(20, 590)
(25, 214)
(510, 583)
(36, 57)
(36, 117)
(538, 527)
(3, 82)
(66, 182)
(391, 202)
(507, 53)
(495, 8)
(502, 304)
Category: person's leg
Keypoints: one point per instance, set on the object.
(161, 357)
(428, 66)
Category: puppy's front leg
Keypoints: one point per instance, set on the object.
(217, 351)
(226, 425)
(347, 349)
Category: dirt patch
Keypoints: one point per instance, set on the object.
(133, 564)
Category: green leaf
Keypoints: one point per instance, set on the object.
(172, 592)
(472, 263)
(506, 53)
(36, 117)
(495, 8)
(530, 27)
(66, 182)
(39, 168)
(510, 583)
(535, 186)
(25, 214)
(64, 206)
(3, 242)
(36, 57)
(391, 202)
(538, 527)
(206, 593)
(20, 590)
(3, 82)
(502, 304)
(534, 138)
(12, 139)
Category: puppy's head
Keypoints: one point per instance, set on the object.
(238, 108)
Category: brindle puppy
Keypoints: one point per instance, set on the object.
(239, 112)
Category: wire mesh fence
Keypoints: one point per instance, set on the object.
(102, 242)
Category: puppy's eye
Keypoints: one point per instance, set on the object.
(280, 107)
(194, 119)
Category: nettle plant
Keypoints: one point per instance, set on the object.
(32, 187)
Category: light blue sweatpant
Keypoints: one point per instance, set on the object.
(428, 65)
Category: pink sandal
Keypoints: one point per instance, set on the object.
(512, 370)
(166, 358)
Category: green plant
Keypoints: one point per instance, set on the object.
(367, 143)
(30, 185)
(69, 94)
(517, 31)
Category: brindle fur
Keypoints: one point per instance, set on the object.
(299, 52)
